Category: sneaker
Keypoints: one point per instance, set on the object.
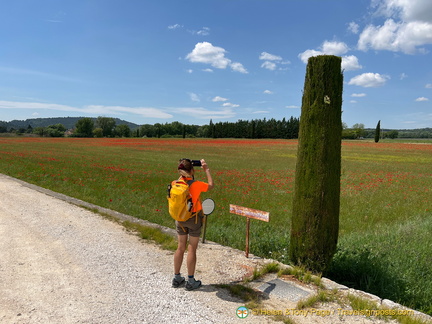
(177, 282)
(193, 285)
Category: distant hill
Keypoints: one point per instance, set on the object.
(68, 122)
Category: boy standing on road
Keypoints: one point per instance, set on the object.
(192, 227)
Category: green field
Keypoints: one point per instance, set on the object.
(385, 246)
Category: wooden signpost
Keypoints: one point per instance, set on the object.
(249, 213)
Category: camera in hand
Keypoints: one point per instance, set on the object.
(196, 162)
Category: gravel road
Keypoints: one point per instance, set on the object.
(60, 263)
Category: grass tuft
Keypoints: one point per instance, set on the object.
(322, 296)
(166, 241)
(247, 294)
(303, 275)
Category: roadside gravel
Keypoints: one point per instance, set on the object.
(60, 263)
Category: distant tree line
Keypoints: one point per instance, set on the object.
(241, 129)
(358, 131)
(257, 128)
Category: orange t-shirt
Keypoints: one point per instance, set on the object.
(195, 190)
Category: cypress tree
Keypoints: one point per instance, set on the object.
(315, 216)
(378, 131)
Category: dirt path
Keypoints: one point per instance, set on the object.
(60, 263)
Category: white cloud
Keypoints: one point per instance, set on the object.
(206, 53)
(269, 65)
(422, 99)
(307, 54)
(403, 76)
(349, 62)
(369, 80)
(407, 10)
(203, 113)
(238, 67)
(428, 86)
(175, 26)
(408, 26)
(268, 92)
(119, 110)
(194, 97)
(205, 31)
(334, 48)
(271, 61)
(231, 105)
(189, 71)
(292, 107)
(396, 36)
(208, 70)
(358, 95)
(269, 57)
(219, 99)
(353, 27)
(353, 101)
(90, 109)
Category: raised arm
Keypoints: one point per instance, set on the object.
(207, 171)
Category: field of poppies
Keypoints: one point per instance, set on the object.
(385, 246)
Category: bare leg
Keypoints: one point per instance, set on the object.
(191, 256)
(178, 255)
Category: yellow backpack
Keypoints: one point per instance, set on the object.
(180, 200)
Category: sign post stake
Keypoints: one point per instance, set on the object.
(247, 236)
(205, 227)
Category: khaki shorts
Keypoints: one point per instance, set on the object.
(192, 226)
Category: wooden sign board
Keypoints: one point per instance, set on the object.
(250, 213)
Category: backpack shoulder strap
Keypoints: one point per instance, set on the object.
(189, 182)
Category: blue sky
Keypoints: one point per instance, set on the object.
(195, 60)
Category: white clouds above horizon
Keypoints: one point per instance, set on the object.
(223, 112)
(369, 80)
(147, 112)
(271, 61)
(407, 27)
(420, 99)
(206, 53)
(175, 26)
(231, 105)
(203, 113)
(353, 27)
(349, 62)
(194, 97)
(219, 99)
(204, 31)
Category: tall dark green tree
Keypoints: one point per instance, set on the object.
(316, 202)
(84, 127)
(378, 131)
(107, 124)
